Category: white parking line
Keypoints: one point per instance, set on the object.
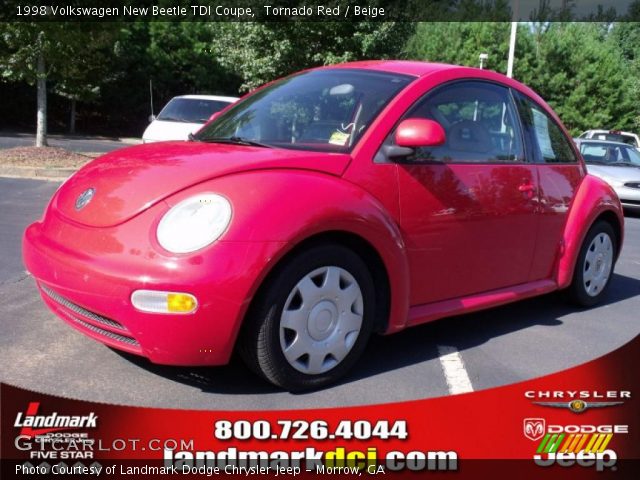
(454, 372)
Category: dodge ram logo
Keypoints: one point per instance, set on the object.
(534, 428)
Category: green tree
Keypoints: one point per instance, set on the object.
(579, 70)
(81, 78)
(187, 47)
(261, 52)
(40, 52)
(461, 43)
(627, 37)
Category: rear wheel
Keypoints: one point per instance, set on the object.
(311, 322)
(594, 267)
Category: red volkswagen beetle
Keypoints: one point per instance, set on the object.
(334, 203)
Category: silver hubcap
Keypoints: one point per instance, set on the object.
(597, 264)
(321, 320)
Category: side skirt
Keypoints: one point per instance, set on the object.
(433, 311)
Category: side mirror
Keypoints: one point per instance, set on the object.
(419, 132)
(151, 118)
(214, 116)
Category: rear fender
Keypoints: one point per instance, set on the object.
(593, 199)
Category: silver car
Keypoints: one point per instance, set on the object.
(616, 163)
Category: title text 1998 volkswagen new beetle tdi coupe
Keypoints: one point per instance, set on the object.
(337, 202)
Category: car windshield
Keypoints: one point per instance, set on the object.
(190, 110)
(325, 110)
(610, 154)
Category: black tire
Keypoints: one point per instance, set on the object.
(577, 291)
(260, 339)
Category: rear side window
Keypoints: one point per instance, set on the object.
(549, 142)
(480, 122)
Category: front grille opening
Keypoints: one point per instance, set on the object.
(82, 311)
(105, 333)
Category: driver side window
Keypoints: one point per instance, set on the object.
(479, 120)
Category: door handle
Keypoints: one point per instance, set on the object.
(528, 189)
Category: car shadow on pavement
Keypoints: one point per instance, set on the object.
(412, 346)
(232, 379)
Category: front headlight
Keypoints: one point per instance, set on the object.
(194, 223)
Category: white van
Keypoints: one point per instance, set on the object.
(184, 115)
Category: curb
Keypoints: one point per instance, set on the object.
(36, 172)
(130, 140)
(62, 136)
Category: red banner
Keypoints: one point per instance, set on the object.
(579, 423)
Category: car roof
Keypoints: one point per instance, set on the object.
(420, 69)
(608, 142)
(416, 68)
(612, 132)
(219, 98)
(406, 67)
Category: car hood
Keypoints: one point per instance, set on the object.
(128, 181)
(620, 174)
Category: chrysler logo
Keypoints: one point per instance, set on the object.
(578, 406)
(84, 198)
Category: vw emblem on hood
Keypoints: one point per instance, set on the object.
(84, 198)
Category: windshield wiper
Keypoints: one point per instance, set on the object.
(236, 141)
(613, 164)
(625, 164)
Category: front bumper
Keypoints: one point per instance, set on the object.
(629, 197)
(86, 276)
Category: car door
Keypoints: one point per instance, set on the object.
(468, 207)
(559, 176)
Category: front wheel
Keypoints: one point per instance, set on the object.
(594, 267)
(311, 322)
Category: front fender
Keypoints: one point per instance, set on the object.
(289, 206)
(594, 198)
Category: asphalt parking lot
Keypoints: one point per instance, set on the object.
(501, 346)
